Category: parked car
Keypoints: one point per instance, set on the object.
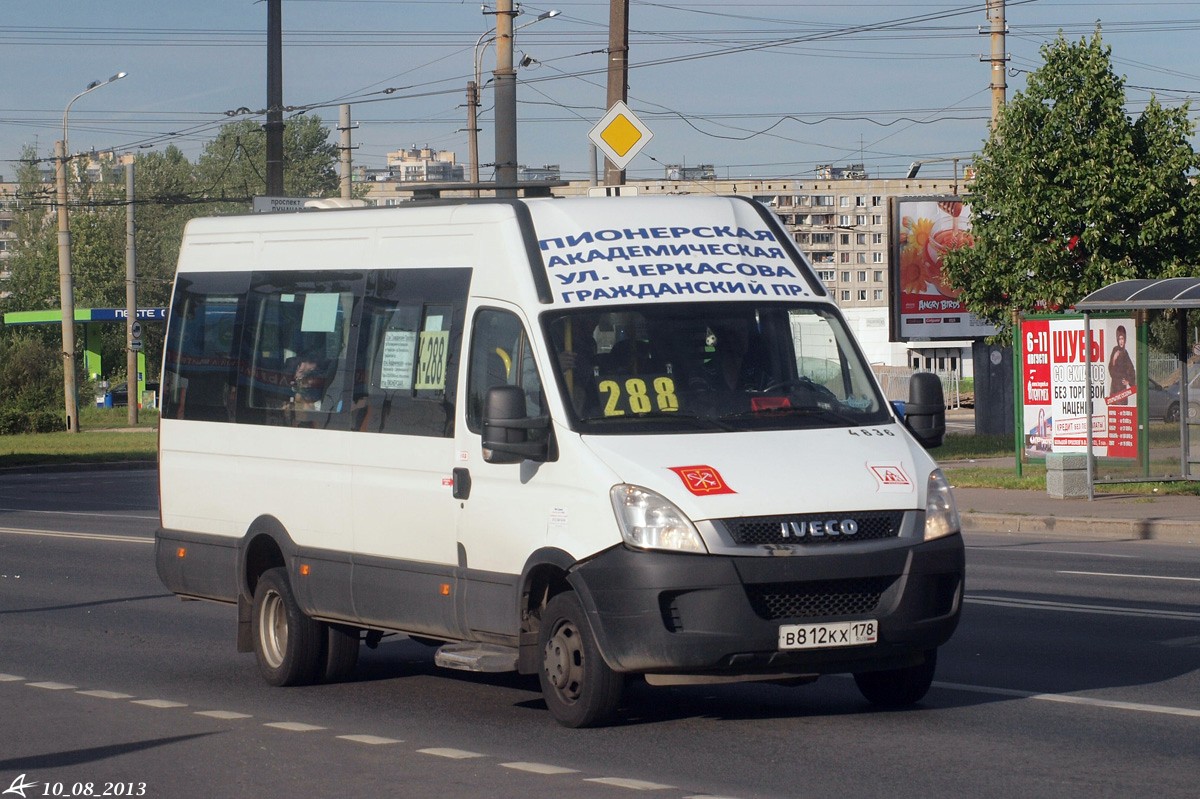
(120, 393)
(1163, 403)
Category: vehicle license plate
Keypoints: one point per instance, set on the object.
(831, 634)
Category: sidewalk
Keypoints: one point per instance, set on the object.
(1112, 514)
(1170, 518)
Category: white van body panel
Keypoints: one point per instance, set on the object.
(774, 473)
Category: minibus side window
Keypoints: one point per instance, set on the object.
(406, 369)
(200, 361)
(500, 355)
(298, 334)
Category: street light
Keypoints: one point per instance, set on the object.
(66, 287)
(915, 167)
(485, 39)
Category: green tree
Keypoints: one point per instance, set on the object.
(33, 264)
(233, 165)
(1071, 194)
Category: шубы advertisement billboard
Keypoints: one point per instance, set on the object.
(1055, 357)
(924, 308)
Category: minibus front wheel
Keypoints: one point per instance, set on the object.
(287, 643)
(898, 687)
(579, 687)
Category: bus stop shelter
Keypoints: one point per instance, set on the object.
(1182, 293)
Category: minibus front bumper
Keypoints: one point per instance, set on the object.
(666, 613)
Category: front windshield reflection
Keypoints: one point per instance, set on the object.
(682, 367)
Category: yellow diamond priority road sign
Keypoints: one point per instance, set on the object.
(620, 135)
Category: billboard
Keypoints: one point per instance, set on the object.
(924, 307)
(1056, 355)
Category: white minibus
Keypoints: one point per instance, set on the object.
(585, 439)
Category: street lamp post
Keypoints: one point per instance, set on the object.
(915, 167)
(66, 286)
(506, 98)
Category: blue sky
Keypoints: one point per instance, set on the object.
(763, 89)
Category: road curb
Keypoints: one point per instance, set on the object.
(1167, 530)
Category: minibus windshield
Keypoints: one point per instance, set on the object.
(720, 366)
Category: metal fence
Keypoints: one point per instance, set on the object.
(894, 380)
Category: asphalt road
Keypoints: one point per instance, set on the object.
(1074, 674)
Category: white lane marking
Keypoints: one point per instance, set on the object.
(539, 768)
(293, 726)
(222, 714)
(52, 686)
(158, 703)
(982, 548)
(124, 539)
(105, 694)
(1066, 607)
(1134, 576)
(1074, 700)
(146, 516)
(455, 754)
(374, 740)
(633, 785)
(11, 678)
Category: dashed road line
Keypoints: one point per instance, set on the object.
(454, 754)
(633, 785)
(161, 704)
(539, 768)
(293, 726)
(105, 694)
(373, 740)
(223, 714)
(545, 769)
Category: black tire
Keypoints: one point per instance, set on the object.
(341, 652)
(898, 687)
(289, 645)
(1172, 414)
(579, 687)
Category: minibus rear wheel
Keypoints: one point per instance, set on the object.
(287, 643)
(898, 687)
(579, 687)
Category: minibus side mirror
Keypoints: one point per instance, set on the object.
(506, 428)
(925, 411)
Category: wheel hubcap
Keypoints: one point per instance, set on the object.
(563, 661)
(273, 629)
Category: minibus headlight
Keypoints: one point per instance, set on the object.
(650, 521)
(941, 514)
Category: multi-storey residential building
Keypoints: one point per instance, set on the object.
(424, 164)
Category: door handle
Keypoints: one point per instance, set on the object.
(462, 483)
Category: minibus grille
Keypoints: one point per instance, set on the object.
(800, 529)
(823, 599)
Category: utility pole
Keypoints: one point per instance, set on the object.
(998, 59)
(66, 289)
(274, 126)
(473, 133)
(344, 128)
(618, 73)
(506, 102)
(131, 355)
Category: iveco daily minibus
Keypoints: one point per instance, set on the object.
(579, 438)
